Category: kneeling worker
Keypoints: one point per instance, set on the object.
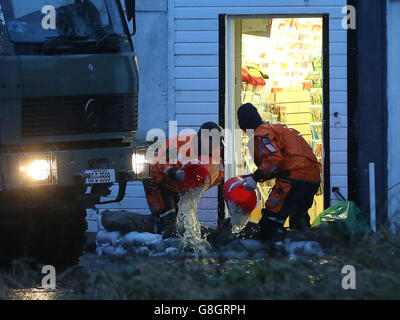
(280, 153)
(168, 176)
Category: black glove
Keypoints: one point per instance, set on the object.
(176, 174)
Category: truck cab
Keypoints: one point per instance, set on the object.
(69, 88)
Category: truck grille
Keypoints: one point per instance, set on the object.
(55, 116)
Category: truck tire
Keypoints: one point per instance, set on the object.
(47, 225)
(13, 237)
(58, 237)
(49, 237)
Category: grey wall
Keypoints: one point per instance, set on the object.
(151, 47)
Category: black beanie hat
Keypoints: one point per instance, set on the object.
(248, 117)
(210, 126)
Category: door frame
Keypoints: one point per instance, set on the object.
(225, 86)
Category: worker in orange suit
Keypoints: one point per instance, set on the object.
(280, 153)
(168, 175)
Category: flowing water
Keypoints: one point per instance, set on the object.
(238, 218)
(189, 224)
(188, 221)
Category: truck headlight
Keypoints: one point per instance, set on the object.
(39, 170)
(140, 164)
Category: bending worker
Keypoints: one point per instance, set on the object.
(280, 153)
(168, 176)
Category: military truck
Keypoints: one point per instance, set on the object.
(68, 116)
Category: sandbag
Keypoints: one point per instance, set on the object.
(110, 251)
(126, 221)
(111, 238)
(140, 239)
(342, 218)
(304, 248)
(100, 226)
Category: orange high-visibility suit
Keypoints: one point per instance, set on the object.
(282, 153)
(176, 151)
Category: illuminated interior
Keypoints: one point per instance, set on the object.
(281, 65)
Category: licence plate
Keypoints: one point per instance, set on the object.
(100, 176)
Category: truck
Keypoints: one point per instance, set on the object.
(69, 86)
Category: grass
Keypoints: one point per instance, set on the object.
(376, 258)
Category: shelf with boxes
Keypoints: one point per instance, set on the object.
(259, 97)
(293, 109)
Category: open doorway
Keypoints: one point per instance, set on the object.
(277, 64)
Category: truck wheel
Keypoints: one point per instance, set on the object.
(58, 236)
(13, 236)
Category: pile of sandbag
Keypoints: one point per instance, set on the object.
(116, 238)
(142, 243)
(126, 221)
(123, 231)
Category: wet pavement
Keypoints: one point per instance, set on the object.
(34, 294)
(93, 264)
(96, 267)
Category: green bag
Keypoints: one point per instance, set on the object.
(344, 217)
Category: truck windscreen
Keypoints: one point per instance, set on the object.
(80, 25)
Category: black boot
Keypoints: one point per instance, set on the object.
(167, 225)
(300, 223)
(250, 231)
(271, 231)
(222, 235)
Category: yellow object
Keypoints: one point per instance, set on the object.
(254, 73)
(255, 215)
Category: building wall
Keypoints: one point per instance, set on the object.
(155, 107)
(193, 74)
(393, 26)
(196, 69)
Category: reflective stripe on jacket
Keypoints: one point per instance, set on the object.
(278, 148)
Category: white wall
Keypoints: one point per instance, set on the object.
(195, 59)
(153, 41)
(393, 26)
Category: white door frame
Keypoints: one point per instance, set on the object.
(230, 117)
(231, 166)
